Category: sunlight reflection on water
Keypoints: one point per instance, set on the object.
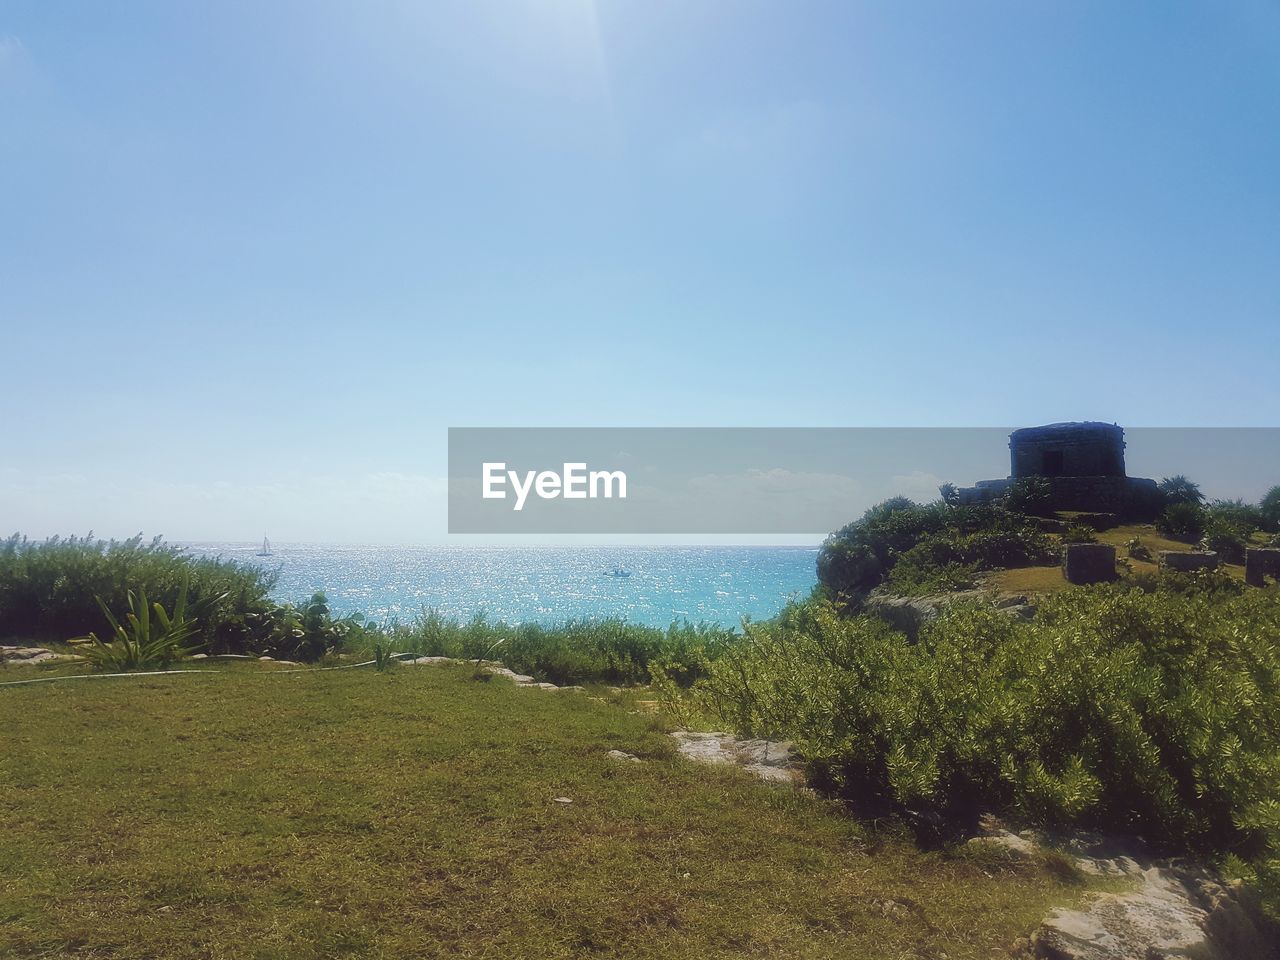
(712, 584)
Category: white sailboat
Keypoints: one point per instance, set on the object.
(266, 547)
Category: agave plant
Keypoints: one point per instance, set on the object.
(149, 637)
(384, 658)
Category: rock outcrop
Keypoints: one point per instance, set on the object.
(494, 668)
(910, 614)
(15, 656)
(767, 759)
(1172, 910)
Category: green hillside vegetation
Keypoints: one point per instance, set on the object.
(1150, 706)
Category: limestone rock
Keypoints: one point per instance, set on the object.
(910, 614)
(494, 668)
(769, 760)
(1172, 914)
(27, 656)
(1171, 910)
(622, 756)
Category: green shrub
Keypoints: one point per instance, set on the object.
(1138, 550)
(1229, 526)
(1154, 714)
(1030, 496)
(989, 549)
(1247, 516)
(934, 539)
(1228, 539)
(908, 579)
(49, 589)
(1269, 509)
(847, 568)
(1182, 521)
(149, 637)
(1079, 533)
(307, 631)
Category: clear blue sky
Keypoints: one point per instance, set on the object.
(256, 257)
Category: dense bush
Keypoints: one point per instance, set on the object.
(856, 558)
(576, 651)
(1031, 496)
(908, 579)
(1182, 521)
(922, 548)
(50, 589)
(1269, 509)
(1152, 713)
(306, 631)
(1244, 516)
(1227, 533)
(1079, 533)
(956, 550)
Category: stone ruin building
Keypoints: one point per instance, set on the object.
(1083, 464)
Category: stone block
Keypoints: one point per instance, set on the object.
(1188, 562)
(1089, 563)
(1261, 562)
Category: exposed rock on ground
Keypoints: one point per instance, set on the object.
(1172, 911)
(768, 760)
(496, 669)
(29, 656)
(910, 614)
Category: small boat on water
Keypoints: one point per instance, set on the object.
(618, 572)
(266, 547)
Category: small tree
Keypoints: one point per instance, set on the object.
(1270, 510)
(1178, 489)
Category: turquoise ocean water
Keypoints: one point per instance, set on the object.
(547, 584)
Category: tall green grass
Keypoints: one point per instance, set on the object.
(574, 651)
(49, 590)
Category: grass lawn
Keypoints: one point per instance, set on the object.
(413, 814)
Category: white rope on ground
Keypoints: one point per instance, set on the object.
(206, 673)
